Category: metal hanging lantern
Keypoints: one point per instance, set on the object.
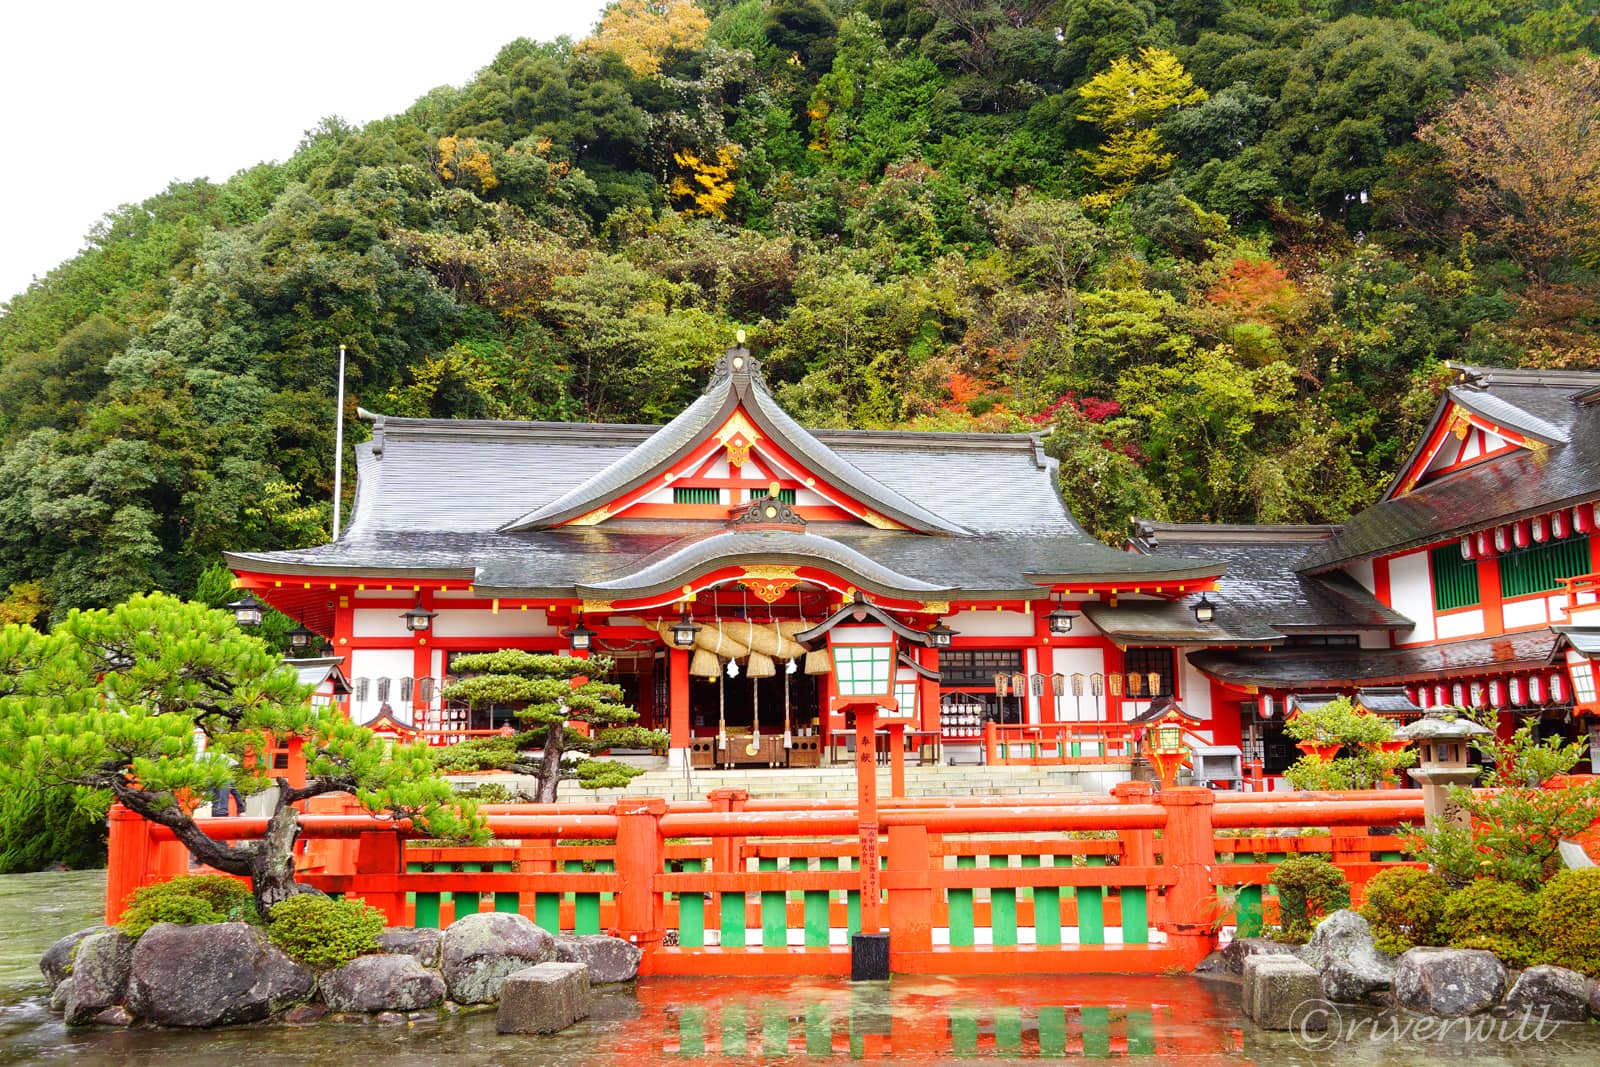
(942, 635)
(1204, 609)
(419, 619)
(247, 612)
(300, 637)
(684, 631)
(580, 638)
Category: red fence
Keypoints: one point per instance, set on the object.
(1132, 883)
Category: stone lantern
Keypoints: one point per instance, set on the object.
(1443, 737)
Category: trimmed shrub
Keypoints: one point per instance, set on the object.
(188, 900)
(1501, 917)
(1569, 920)
(1404, 906)
(324, 933)
(1308, 889)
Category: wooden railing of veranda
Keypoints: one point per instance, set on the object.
(1132, 883)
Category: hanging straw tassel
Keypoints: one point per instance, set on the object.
(760, 666)
(704, 664)
(818, 662)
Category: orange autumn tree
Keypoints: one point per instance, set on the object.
(704, 186)
(643, 33)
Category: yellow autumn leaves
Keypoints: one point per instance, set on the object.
(1127, 100)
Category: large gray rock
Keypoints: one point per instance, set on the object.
(543, 999)
(1549, 993)
(212, 975)
(99, 976)
(1352, 967)
(1240, 949)
(1449, 981)
(381, 983)
(1277, 992)
(405, 941)
(609, 959)
(56, 963)
(480, 950)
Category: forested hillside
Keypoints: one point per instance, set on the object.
(1217, 252)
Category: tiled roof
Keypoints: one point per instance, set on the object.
(1353, 668)
(1548, 406)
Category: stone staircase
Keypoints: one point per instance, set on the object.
(839, 782)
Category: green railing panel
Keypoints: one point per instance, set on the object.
(428, 911)
(586, 914)
(1097, 1032)
(1247, 909)
(1141, 1033)
(817, 902)
(1052, 1030)
(774, 910)
(1091, 915)
(1002, 908)
(468, 903)
(506, 903)
(734, 1030)
(1027, 892)
(1047, 910)
(692, 1033)
(1135, 916)
(547, 911)
(960, 905)
(692, 913)
(733, 920)
(852, 904)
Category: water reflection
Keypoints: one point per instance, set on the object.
(728, 1021)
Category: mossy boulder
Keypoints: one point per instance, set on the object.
(478, 952)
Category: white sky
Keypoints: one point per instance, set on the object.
(105, 103)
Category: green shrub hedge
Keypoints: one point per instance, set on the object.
(1308, 889)
(191, 899)
(324, 933)
(1569, 920)
(1404, 906)
(1501, 917)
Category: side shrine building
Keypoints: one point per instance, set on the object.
(1473, 581)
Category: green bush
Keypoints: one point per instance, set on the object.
(1308, 889)
(324, 933)
(191, 899)
(1404, 906)
(1501, 917)
(1569, 920)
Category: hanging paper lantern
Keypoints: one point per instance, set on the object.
(1582, 519)
(1485, 544)
(1438, 695)
(1466, 547)
(1558, 524)
(1502, 539)
(1495, 693)
(1540, 533)
(1521, 535)
(1558, 689)
(1267, 708)
(1536, 690)
(1514, 690)
(1477, 694)
(1457, 695)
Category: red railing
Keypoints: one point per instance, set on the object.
(731, 885)
(1035, 744)
(1587, 585)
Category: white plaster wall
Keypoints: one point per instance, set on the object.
(508, 622)
(379, 622)
(1459, 624)
(1070, 661)
(1411, 593)
(1558, 607)
(1195, 688)
(1362, 573)
(991, 623)
(1374, 638)
(1524, 613)
(375, 663)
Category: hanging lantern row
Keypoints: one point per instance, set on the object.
(1135, 684)
(1484, 544)
(1514, 692)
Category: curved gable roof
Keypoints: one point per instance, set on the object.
(736, 385)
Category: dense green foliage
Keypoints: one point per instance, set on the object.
(1227, 299)
(186, 900)
(110, 704)
(1309, 888)
(1501, 917)
(324, 933)
(1569, 921)
(548, 693)
(42, 827)
(1519, 822)
(1405, 907)
(1361, 762)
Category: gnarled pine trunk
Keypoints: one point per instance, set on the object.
(550, 763)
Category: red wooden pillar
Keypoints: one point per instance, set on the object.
(344, 628)
(641, 913)
(1138, 846)
(678, 697)
(928, 689)
(380, 857)
(727, 853)
(910, 898)
(867, 815)
(1189, 850)
(127, 858)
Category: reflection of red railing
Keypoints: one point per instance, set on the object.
(1033, 744)
(973, 885)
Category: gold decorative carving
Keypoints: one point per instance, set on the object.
(936, 607)
(737, 436)
(768, 592)
(873, 519)
(1461, 426)
(596, 606)
(593, 518)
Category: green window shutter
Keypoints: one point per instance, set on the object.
(1455, 580)
(785, 495)
(1539, 569)
(697, 496)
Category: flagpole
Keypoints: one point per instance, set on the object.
(338, 449)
